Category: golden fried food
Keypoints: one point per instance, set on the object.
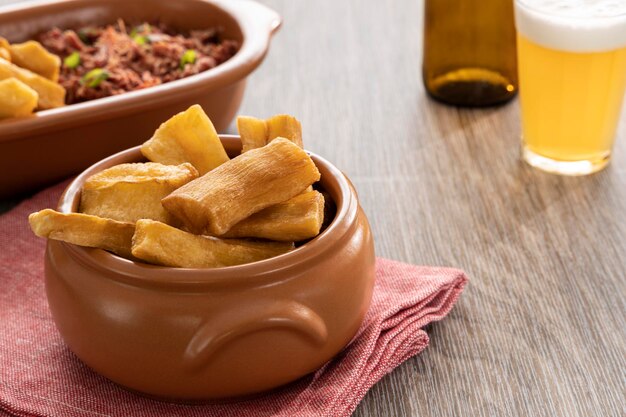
(167, 214)
(84, 230)
(16, 98)
(129, 192)
(51, 94)
(256, 133)
(284, 126)
(32, 56)
(255, 180)
(5, 49)
(187, 137)
(298, 218)
(253, 132)
(161, 244)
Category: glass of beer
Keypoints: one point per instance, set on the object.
(572, 76)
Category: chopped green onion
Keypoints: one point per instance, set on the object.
(145, 28)
(141, 39)
(140, 33)
(72, 60)
(94, 77)
(189, 57)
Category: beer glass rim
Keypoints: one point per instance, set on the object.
(524, 4)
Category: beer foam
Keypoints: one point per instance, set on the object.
(573, 25)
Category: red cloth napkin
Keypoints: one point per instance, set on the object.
(39, 376)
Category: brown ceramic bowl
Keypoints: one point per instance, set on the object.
(202, 334)
(53, 144)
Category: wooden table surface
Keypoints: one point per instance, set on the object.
(540, 330)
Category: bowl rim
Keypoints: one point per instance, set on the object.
(257, 23)
(259, 273)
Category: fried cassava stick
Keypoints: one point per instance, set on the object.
(16, 98)
(34, 57)
(84, 230)
(161, 244)
(298, 218)
(129, 192)
(255, 180)
(50, 94)
(253, 132)
(284, 126)
(256, 133)
(190, 137)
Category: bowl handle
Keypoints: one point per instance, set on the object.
(254, 12)
(214, 334)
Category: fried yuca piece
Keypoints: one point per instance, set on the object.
(253, 132)
(33, 56)
(129, 192)
(284, 126)
(190, 137)
(5, 49)
(84, 230)
(298, 218)
(51, 94)
(16, 98)
(161, 244)
(255, 180)
(256, 133)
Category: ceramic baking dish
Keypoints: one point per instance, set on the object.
(54, 144)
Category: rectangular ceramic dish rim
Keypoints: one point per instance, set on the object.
(109, 107)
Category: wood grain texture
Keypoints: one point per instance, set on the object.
(540, 331)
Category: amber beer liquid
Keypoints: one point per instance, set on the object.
(572, 72)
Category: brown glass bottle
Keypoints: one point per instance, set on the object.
(469, 51)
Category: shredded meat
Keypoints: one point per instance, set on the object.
(145, 55)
